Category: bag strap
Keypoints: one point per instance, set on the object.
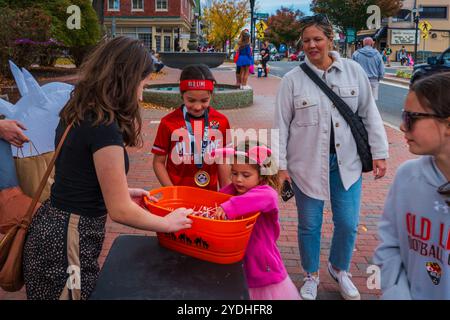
(340, 104)
(45, 177)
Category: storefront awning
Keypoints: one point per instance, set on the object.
(375, 34)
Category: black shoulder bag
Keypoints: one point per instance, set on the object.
(354, 121)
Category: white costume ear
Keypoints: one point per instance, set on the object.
(19, 77)
(34, 87)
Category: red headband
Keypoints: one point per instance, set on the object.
(186, 85)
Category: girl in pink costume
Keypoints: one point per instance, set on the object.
(254, 186)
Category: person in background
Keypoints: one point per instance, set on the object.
(245, 59)
(372, 63)
(265, 56)
(403, 56)
(387, 53)
(157, 64)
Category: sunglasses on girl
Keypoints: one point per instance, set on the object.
(319, 18)
(409, 118)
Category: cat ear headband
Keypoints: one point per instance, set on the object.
(259, 154)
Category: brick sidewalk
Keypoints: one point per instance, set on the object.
(260, 115)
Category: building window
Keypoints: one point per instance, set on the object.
(137, 5)
(434, 13)
(146, 38)
(143, 34)
(402, 15)
(158, 43)
(113, 5)
(167, 41)
(162, 5)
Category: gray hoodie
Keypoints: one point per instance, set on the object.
(414, 253)
(371, 61)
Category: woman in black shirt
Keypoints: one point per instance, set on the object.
(66, 235)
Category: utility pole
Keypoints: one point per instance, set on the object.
(416, 22)
(252, 24)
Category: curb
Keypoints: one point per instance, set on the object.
(394, 80)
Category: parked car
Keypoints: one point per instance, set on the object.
(276, 57)
(435, 64)
(297, 56)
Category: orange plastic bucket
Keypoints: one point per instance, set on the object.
(218, 241)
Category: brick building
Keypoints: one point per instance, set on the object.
(163, 25)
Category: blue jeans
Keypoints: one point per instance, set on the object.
(8, 177)
(345, 205)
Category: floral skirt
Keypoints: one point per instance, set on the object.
(60, 254)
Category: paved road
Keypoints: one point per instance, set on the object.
(392, 96)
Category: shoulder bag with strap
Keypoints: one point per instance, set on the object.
(354, 121)
(18, 220)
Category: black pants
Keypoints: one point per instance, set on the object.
(264, 64)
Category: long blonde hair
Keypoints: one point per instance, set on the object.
(244, 39)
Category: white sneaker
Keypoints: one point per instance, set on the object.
(346, 286)
(247, 87)
(309, 288)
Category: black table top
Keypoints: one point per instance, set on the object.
(138, 268)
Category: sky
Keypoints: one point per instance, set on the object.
(271, 6)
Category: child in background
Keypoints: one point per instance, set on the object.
(255, 190)
(414, 253)
(188, 133)
(245, 59)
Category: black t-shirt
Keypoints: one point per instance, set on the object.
(265, 51)
(76, 188)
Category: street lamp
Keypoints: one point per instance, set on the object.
(416, 15)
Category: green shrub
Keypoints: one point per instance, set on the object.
(24, 37)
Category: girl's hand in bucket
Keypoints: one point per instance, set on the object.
(178, 220)
(219, 214)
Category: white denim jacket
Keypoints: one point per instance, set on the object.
(303, 115)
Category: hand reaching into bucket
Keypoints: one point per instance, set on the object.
(220, 214)
(178, 220)
(138, 194)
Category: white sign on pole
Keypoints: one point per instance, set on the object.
(404, 37)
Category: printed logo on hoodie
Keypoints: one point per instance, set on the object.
(434, 271)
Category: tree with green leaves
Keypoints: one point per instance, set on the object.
(284, 27)
(78, 41)
(353, 13)
(24, 36)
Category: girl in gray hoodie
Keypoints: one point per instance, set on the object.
(414, 253)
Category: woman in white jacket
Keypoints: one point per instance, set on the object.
(318, 152)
